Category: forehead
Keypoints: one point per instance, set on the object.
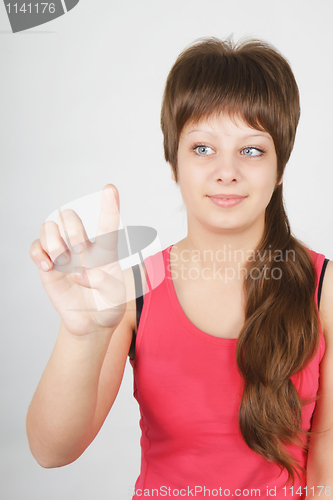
(225, 124)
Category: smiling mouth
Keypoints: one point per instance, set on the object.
(226, 196)
(227, 201)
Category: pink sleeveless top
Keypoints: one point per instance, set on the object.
(189, 390)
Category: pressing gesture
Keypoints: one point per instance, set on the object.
(90, 297)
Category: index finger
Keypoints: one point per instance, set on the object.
(108, 221)
(108, 224)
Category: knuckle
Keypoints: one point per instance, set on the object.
(75, 237)
(71, 226)
(68, 217)
(49, 224)
(35, 250)
(48, 228)
(33, 253)
(56, 249)
(68, 212)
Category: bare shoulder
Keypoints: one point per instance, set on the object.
(324, 409)
(326, 304)
(320, 457)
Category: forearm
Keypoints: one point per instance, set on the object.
(320, 466)
(60, 416)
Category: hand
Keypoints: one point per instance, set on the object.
(95, 299)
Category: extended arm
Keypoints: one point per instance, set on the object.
(96, 307)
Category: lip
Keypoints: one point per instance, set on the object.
(226, 200)
(229, 196)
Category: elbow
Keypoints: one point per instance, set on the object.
(53, 453)
(50, 459)
(48, 464)
(51, 462)
(51, 465)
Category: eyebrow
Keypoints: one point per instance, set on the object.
(247, 136)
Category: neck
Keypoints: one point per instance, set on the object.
(224, 247)
(222, 253)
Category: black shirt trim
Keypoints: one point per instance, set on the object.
(321, 280)
(139, 305)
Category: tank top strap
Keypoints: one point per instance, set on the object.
(321, 278)
(319, 263)
(155, 273)
(139, 305)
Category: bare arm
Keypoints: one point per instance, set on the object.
(76, 392)
(320, 458)
(83, 375)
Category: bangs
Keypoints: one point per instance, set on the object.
(230, 87)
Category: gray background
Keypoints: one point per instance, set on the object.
(80, 103)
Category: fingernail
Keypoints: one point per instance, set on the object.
(78, 248)
(62, 259)
(78, 271)
(44, 266)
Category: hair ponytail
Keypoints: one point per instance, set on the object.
(281, 330)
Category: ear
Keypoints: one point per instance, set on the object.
(280, 182)
(172, 173)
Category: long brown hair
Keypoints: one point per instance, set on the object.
(253, 80)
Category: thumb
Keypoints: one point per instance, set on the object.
(107, 290)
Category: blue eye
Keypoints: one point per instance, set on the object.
(202, 150)
(251, 151)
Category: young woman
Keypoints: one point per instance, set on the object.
(228, 347)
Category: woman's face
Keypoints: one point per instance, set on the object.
(224, 156)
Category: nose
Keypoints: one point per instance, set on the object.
(226, 170)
